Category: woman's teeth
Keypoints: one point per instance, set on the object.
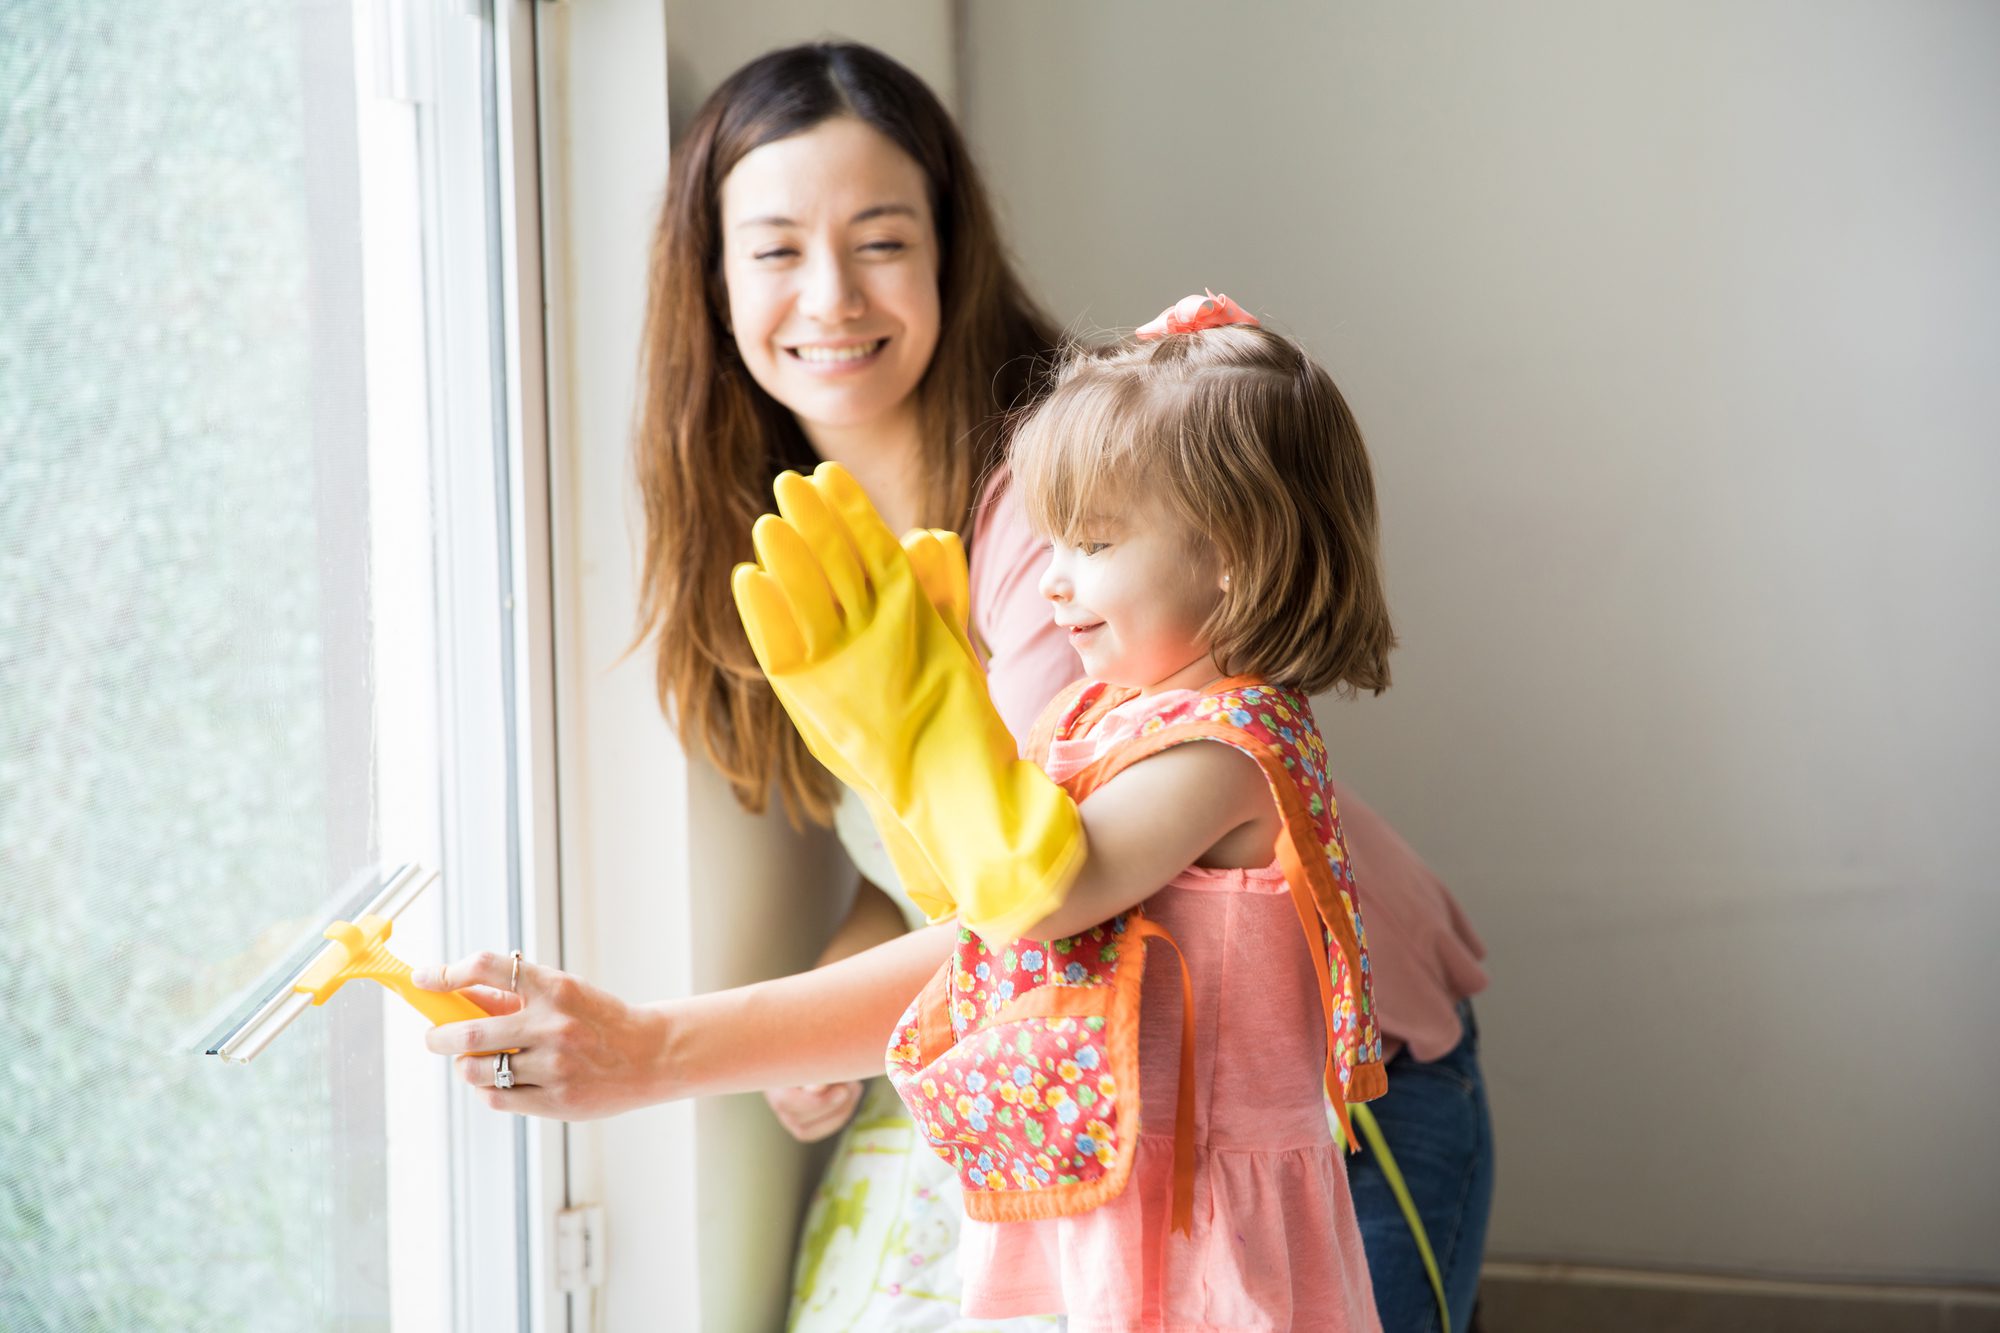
(834, 355)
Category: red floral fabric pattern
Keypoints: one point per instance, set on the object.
(1027, 1103)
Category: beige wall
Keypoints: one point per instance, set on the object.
(1676, 333)
(707, 41)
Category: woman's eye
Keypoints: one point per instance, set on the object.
(884, 247)
(778, 252)
(1091, 548)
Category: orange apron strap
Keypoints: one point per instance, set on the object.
(1307, 907)
(934, 1031)
(1183, 1218)
(1051, 716)
(1315, 901)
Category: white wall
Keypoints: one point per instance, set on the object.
(1675, 330)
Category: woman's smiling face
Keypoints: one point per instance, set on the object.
(831, 260)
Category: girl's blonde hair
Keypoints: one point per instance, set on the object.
(1250, 445)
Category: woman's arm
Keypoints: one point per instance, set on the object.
(811, 1111)
(831, 1023)
(584, 1053)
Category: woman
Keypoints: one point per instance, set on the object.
(827, 283)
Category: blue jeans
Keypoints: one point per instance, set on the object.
(1435, 1121)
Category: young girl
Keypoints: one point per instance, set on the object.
(1214, 560)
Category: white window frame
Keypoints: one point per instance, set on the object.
(601, 82)
(406, 759)
(454, 91)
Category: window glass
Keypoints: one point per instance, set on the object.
(188, 768)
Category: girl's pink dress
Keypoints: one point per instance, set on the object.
(1275, 1244)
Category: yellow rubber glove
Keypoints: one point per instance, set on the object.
(937, 557)
(869, 670)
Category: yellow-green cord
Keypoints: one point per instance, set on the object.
(1378, 1145)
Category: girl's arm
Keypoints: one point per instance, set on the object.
(1157, 818)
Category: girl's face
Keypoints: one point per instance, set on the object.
(1134, 592)
(831, 261)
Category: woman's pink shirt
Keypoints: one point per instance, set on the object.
(1423, 953)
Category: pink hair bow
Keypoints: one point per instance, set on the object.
(1192, 314)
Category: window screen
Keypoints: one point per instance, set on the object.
(186, 708)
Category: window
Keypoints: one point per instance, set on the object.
(261, 633)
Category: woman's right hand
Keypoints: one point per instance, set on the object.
(581, 1052)
(585, 1053)
(816, 1110)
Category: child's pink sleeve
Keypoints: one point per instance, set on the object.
(1029, 659)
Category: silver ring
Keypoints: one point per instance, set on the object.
(503, 1073)
(514, 977)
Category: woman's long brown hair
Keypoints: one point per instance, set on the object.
(710, 441)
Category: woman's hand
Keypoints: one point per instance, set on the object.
(582, 1052)
(812, 1112)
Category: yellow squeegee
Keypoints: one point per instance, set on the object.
(355, 950)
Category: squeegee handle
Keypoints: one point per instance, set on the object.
(440, 1006)
(358, 952)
